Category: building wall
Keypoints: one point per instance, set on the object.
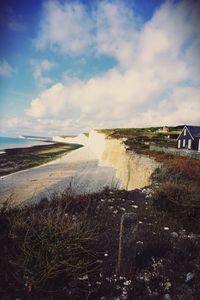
(182, 137)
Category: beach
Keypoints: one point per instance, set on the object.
(17, 159)
(78, 171)
(88, 169)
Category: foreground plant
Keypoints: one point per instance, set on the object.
(42, 245)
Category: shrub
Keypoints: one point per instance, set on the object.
(179, 199)
(40, 246)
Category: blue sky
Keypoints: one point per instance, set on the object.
(69, 66)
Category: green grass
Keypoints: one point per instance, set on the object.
(138, 139)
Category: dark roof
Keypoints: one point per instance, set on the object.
(194, 130)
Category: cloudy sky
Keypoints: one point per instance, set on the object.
(69, 66)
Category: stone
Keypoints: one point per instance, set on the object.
(174, 234)
(189, 276)
(167, 297)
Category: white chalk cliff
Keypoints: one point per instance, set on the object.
(133, 170)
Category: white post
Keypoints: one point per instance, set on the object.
(179, 144)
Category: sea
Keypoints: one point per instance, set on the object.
(15, 142)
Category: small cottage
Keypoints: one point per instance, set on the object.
(189, 138)
(164, 129)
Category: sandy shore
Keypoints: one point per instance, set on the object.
(78, 170)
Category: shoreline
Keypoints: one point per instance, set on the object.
(15, 160)
(28, 144)
(39, 166)
(78, 171)
(30, 147)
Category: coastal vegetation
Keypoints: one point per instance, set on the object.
(67, 248)
(138, 139)
(18, 159)
(178, 178)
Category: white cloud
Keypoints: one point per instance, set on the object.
(51, 99)
(157, 79)
(5, 69)
(66, 27)
(116, 31)
(41, 67)
(182, 106)
(46, 127)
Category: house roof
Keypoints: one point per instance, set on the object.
(194, 130)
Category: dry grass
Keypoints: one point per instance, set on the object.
(185, 168)
(41, 244)
(56, 250)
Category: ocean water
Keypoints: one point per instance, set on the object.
(12, 142)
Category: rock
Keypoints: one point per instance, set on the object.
(134, 206)
(85, 277)
(167, 297)
(139, 242)
(174, 234)
(189, 276)
(182, 232)
(167, 285)
(127, 282)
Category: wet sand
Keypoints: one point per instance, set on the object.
(79, 170)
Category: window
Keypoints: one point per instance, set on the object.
(185, 131)
(189, 144)
(183, 143)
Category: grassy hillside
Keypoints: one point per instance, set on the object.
(139, 138)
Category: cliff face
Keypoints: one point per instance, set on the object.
(132, 170)
(81, 139)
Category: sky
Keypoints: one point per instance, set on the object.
(69, 66)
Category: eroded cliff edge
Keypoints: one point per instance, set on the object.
(133, 170)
